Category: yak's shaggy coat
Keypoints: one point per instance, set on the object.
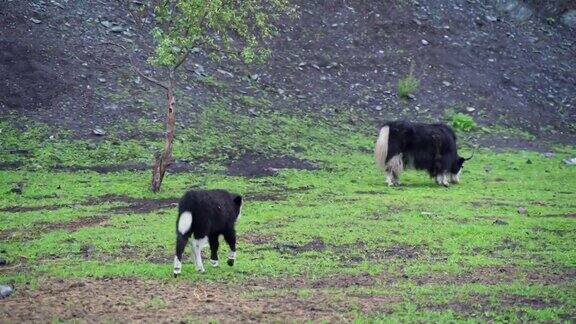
(204, 216)
(430, 147)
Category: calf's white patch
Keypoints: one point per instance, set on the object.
(185, 222)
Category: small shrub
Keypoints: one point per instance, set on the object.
(462, 122)
(407, 86)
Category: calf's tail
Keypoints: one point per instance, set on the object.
(381, 149)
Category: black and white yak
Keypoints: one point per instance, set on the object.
(204, 216)
(430, 147)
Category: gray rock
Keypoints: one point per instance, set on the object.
(5, 291)
(470, 109)
(255, 77)
(199, 70)
(491, 18)
(500, 222)
(570, 161)
(515, 9)
(106, 23)
(87, 250)
(425, 42)
(98, 132)
(36, 21)
(446, 83)
(569, 19)
(548, 154)
(116, 29)
(378, 107)
(488, 168)
(226, 73)
(522, 210)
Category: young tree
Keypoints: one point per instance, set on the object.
(235, 28)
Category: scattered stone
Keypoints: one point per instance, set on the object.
(252, 111)
(36, 21)
(102, 80)
(226, 73)
(570, 161)
(5, 291)
(522, 210)
(427, 214)
(548, 154)
(378, 107)
(116, 29)
(425, 42)
(199, 70)
(411, 96)
(17, 189)
(255, 77)
(569, 18)
(491, 18)
(281, 91)
(106, 23)
(488, 168)
(87, 250)
(98, 132)
(59, 5)
(446, 83)
(500, 222)
(470, 109)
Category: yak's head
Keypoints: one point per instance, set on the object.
(457, 167)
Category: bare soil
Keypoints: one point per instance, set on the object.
(258, 165)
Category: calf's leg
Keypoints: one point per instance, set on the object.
(230, 238)
(181, 241)
(197, 245)
(214, 244)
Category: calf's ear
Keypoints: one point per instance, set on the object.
(238, 200)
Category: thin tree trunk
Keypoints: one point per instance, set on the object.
(164, 159)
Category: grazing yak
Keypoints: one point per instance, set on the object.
(206, 215)
(430, 147)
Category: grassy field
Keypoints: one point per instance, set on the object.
(333, 243)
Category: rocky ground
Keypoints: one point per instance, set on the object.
(507, 63)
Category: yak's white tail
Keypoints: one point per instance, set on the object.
(381, 150)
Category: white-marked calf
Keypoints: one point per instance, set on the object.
(204, 216)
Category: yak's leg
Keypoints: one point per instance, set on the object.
(181, 242)
(230, 238)
(214, 244)
(444, 179)
(197, 245)
(455, 178)
(394, 167)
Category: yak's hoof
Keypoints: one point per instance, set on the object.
(230, 262)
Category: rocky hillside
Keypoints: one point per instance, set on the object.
(508, 63)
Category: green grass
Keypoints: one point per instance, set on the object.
(407, 86)
(365, 228)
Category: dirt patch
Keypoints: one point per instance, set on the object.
(480, 303)
(266, 196)
(40, 227)
(25, 209)
(316, 244)
(135, 205)
(130, 299)
(4, 166)
(258, 165)
(256, 238)
(500, 274)
(358, 252)
(569, 215)
(175, 167)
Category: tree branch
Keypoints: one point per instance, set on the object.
(135, 67)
